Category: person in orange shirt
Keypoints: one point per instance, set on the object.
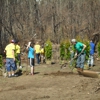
(37, 52)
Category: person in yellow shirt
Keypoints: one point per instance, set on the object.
(42, 54)
(10, 59)
(37, 52)
(18, 53)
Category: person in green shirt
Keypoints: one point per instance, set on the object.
(79, 54)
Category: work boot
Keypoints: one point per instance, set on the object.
(79, 70)
(89, 65)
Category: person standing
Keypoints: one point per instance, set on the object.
(42, 54)
(37, 52)
(18, 53)
(91, 55)
(10, 59)
(80, 54)
(31, 57)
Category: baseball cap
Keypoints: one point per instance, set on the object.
(12, 41)
(73, 40)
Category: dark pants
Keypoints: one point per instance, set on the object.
(19, 59)
(38, 58)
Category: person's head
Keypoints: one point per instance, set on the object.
(31, 44)
(73, 41)
(37, 42)
(16, 41)
(42, 46)
(91, 40)
(12, 41)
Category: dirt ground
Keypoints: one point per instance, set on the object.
(50, 82)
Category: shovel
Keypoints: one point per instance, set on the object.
(69, 64)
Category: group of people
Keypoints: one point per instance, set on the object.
(13, 56)
(80, 54)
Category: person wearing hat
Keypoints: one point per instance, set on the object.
(10, 59)
(80, 54)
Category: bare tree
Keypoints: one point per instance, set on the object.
(53, 19)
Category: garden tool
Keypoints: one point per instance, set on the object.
(72, 63)
(69, 64)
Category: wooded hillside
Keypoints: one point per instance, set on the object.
(53, 19)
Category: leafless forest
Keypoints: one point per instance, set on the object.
(53, 19)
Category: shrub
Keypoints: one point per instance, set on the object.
(87, 43)
(98, 48)
(64, 50)
(48, 50)
(67, 51)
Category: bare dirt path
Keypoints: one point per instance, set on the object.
(50, 83)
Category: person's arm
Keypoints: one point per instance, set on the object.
(28, 45)
(75, 56)
(84, 46)
(4, 51)
(13, 53)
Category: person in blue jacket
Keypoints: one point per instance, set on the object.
(91, 55)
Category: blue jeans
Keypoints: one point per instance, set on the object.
(38, 57)
(91, 60)
(10, 64)
(81, 60)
